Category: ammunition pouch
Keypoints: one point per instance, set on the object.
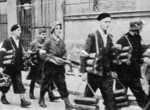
(120, 94)
(94, 64)
(8, 57)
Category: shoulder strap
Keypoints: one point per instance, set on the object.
(110, 36)
(23, 50)
(12, 44)
(96, 42)
(128, 42)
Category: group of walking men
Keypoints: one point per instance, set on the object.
(49, 71)
(45, 72)
(125, 68)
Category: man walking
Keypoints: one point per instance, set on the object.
(36, 71)
(129, 74)
(54, 71)
(13, 68)
(101, 41)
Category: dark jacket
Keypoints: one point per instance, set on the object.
(17, 55)
(90, 47)
(35, 72)
(57, 49)
(36, 44)
(132, 70)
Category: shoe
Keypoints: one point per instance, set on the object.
(42, 102)
(68, 105)
(31, 95)
(52, 97)
(4, 100)
(25, 103)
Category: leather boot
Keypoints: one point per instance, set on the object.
(25, 103)
(31, 95)
(42, 102)
(52, 97)
(4, 100)
(68, 104)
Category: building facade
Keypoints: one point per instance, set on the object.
(78, 18)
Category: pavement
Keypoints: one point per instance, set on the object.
(75, 87)
(74, 82)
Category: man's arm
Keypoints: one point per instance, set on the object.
(4, 48)
(85, 52)
(32, 46)
(44, 50)
(46, 45)
(2, 53)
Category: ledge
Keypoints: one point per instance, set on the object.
(76, 17)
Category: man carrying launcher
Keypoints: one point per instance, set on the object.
(100, 42)
(129, 73)
(13, 46)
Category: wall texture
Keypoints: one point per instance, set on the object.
(11, 14)
(78, 17)
(80, 20)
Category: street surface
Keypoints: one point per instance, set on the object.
(57, 105)
(75, 86)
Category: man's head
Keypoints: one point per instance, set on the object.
(16, 30)
(104, 20)
(56, 28)
(42, 33)
(136, 25)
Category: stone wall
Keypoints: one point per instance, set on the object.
(11, 14)
(123, 5)
(77, 6)
(78, 22)
(90, 6)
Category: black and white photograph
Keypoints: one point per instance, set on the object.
(74, 55)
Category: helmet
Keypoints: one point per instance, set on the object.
(53, 26)
(136, 24)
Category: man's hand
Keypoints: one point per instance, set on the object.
(84, 53)
(43, 54)
(114, 75)
(146, 60)
(1, 70)
(84, 77)
(147, 53)
(118, 46)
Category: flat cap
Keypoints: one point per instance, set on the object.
(102, 16)
(14, 27)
